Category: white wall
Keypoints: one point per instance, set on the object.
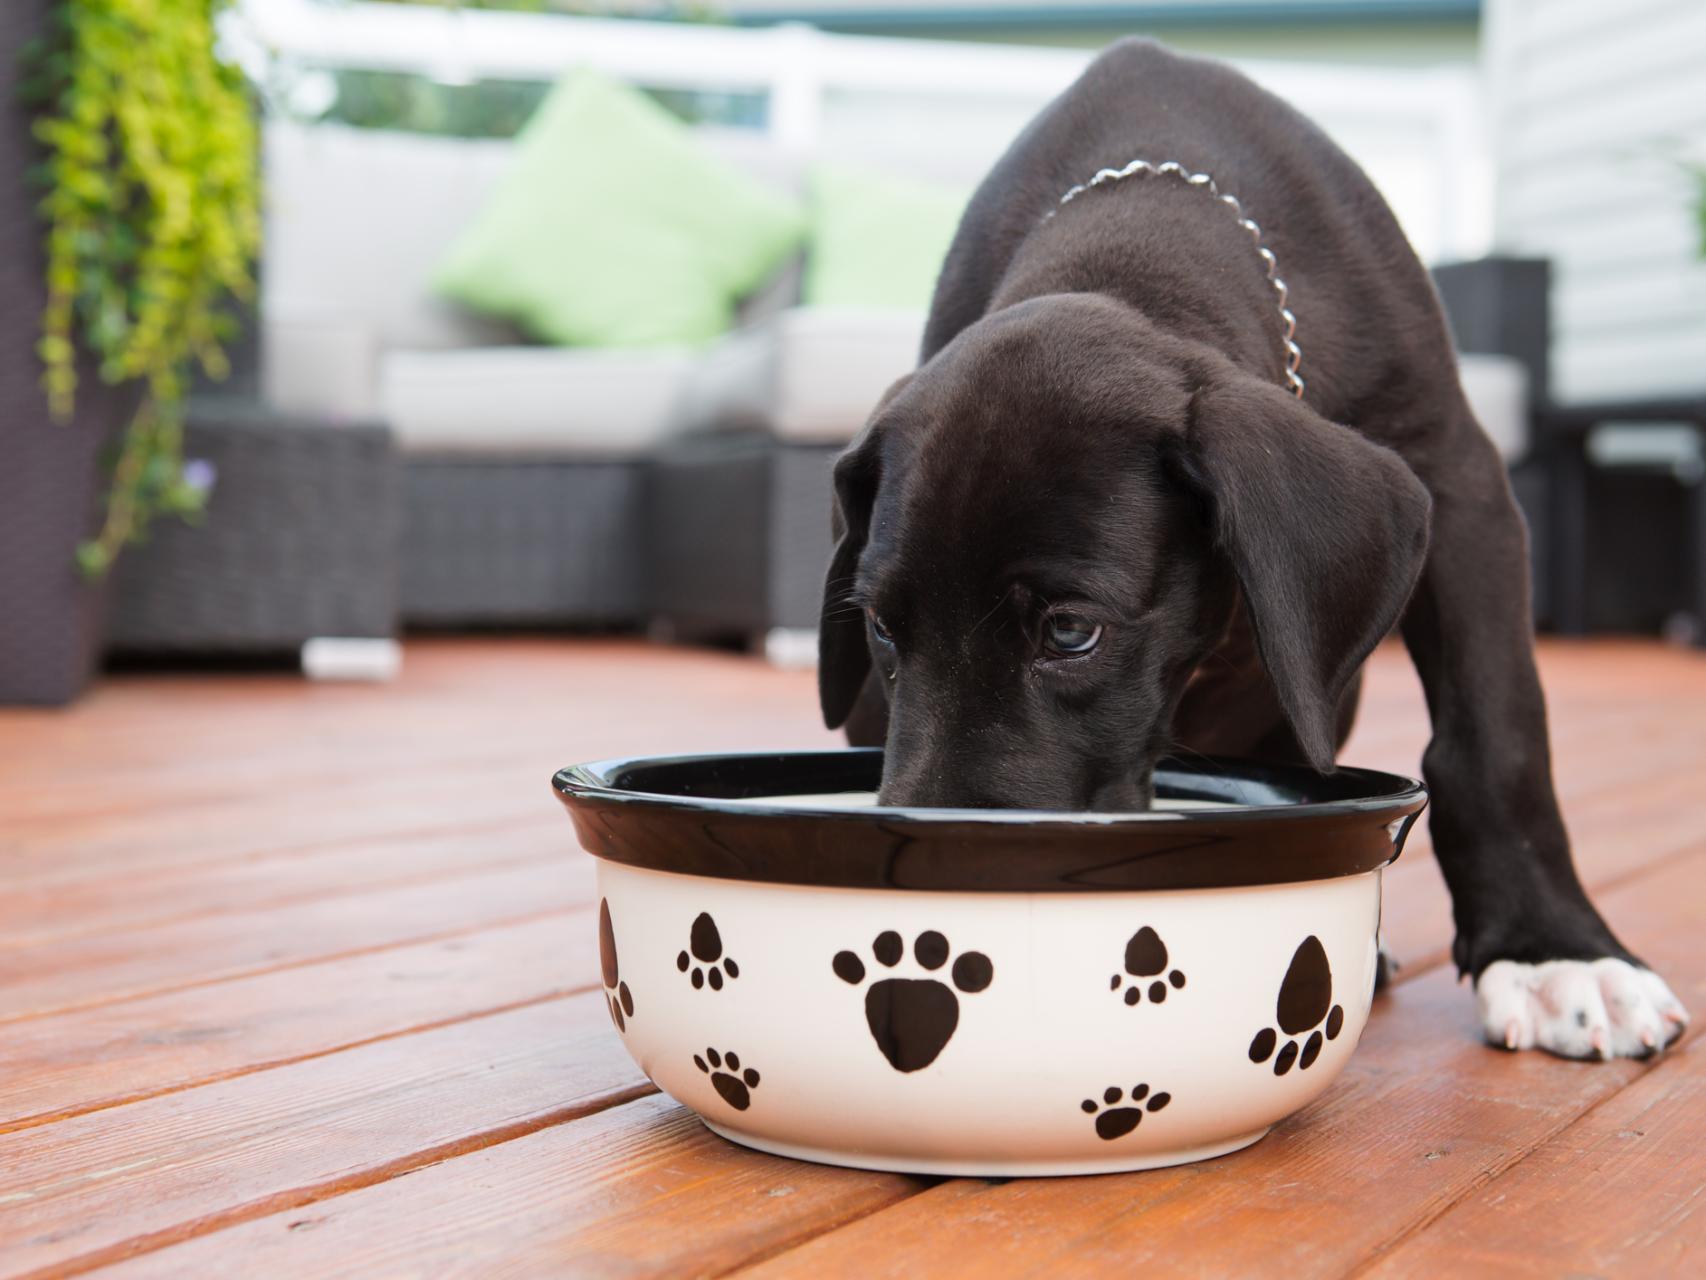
(1592, 102)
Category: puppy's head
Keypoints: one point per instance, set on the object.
(1042, 532)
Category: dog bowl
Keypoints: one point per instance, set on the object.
(986, 992)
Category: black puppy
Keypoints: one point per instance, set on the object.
(1115, 509)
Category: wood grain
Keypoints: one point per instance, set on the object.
(641, 1190)
(102, 1186)
(1621, 1192)
(36, 914)
(82, 1061)
(91, 971)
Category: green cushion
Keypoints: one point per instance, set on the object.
(877, 241)
(614, 227)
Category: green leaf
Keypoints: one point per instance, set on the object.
(152, 222)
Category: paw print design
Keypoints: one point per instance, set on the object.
(1114, 1120)
(1146, 958)
(912, 1019)
(1305, 1004)
(706, 945)
(732, 1084)
(616, 992)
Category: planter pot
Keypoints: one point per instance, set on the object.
(50, 473)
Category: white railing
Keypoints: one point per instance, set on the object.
(1416, 129)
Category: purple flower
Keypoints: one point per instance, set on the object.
(199, 474)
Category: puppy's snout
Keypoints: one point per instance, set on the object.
(1015, 782)
(942, 777)
(926, 792)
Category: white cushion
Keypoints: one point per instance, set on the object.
(1497, 387)
(808, 374)
(322, 365)
(557, 400)
(356, 220)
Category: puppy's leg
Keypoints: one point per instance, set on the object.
(1548, 971)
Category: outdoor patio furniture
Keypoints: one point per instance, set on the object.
(1630, 514)
(299, 540)
(523, 464)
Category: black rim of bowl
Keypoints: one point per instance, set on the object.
(704, 815)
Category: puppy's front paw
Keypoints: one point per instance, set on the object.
(1578, 1008)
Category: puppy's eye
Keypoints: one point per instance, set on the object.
(1070, 635)
(877, 627)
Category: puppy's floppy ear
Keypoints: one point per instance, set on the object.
(843, 655)
(1326, 531)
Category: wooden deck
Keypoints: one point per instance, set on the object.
(300, 981)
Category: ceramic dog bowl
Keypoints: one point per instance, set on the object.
(986, 992)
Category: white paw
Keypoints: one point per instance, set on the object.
(1578, 1008)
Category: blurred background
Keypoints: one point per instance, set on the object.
(331, 321)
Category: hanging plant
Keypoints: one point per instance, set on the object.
(153, 224)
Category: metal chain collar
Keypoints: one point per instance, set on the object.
(1172, 168)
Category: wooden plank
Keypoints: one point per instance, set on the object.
(35, 914)
(101, 969)
(641, 1190)
(103, 1186)
(101, 845)
(92, 1058)
(1621, 1192)
(455, 702)
(1423, 1116)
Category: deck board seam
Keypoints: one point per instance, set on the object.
(813, 1231)
(336, 781)
(104, 871)
(1489, 1176)
(43, 1118)
(29, 942)
(80, 1006)
(316, 1192)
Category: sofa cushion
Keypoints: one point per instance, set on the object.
(614, 227)
(877, 240)
(355, 218)
(1497, 388)
(550, 400)
(809, 374)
